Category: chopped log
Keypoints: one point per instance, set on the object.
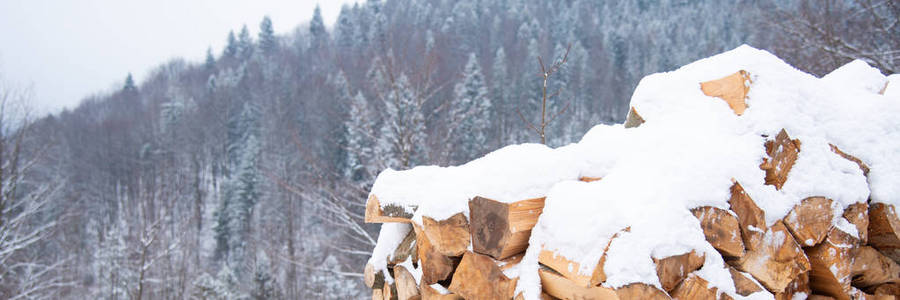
(810, 221)
(782, 153)
(406, 249)
(871, 268)
(831, 265)
(800, 285)
(406, 283)
(555, 285)
(721, 229)
(449, 237)
(589, 179)
(565, 267)
(377, 294)
(694, 287)
(819, 297)
(388, 214)
(673, 269)
(732, 88)
(570, 269)
(502, 229)
(511, 261)
(389, 291)
(372, 279)
(633, 119)
(435, 266)
(743, 285)
(859, 294)
(886, 289)
(751, 218)
(858, 215)
(479, 277)
(884, 230)
(430, 293)
(777, 261)
(862, 166)
(641, 291)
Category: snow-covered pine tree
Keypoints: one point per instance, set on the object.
(504, 112)
(402, 136)
(268, 43)
(344, 29)
(360, 126)
(244, 44)
(264, 284)
(129, 86)
(209, 65)
(470, 114)
(317, 32)
(231, 46)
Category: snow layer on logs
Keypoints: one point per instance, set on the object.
(684, 156)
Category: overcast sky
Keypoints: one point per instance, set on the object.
(69, 49)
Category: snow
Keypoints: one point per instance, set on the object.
(389, 237)
(684, 156)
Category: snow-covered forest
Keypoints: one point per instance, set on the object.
(245, 176)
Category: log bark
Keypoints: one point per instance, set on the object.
(435, 266)
(884, 227)
(832, 265)
(430, 293)
(407, 288)
(502, 229)
(721, 229)
(406, 249)
(751, 218)
(633, 119)
(589, 179)
(810, 221)
(871, 268)
(673, 269)
(743, 284)
(782, 152)
(858, 215)
(777, 261)
(694, 288)
(375, 213)
(862, 166)
(449, 237)
(372, 279)
(886, 289)
(389, 291)
(641, 291)
(732, 88)
(557, 286)
(479, 277)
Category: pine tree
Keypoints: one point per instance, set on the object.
(209, 64)
(264, 285)
(470, 113)
(402, 135)
(231, 46)
(359, 126)
(267, 41)
(129, 86)
(500, 81)
(318, 34)
(344, 29)
(244, 44)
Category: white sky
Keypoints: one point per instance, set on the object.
(66, 50)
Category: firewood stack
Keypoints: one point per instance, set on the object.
(801, 254)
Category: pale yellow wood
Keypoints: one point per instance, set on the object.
(732, 88)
